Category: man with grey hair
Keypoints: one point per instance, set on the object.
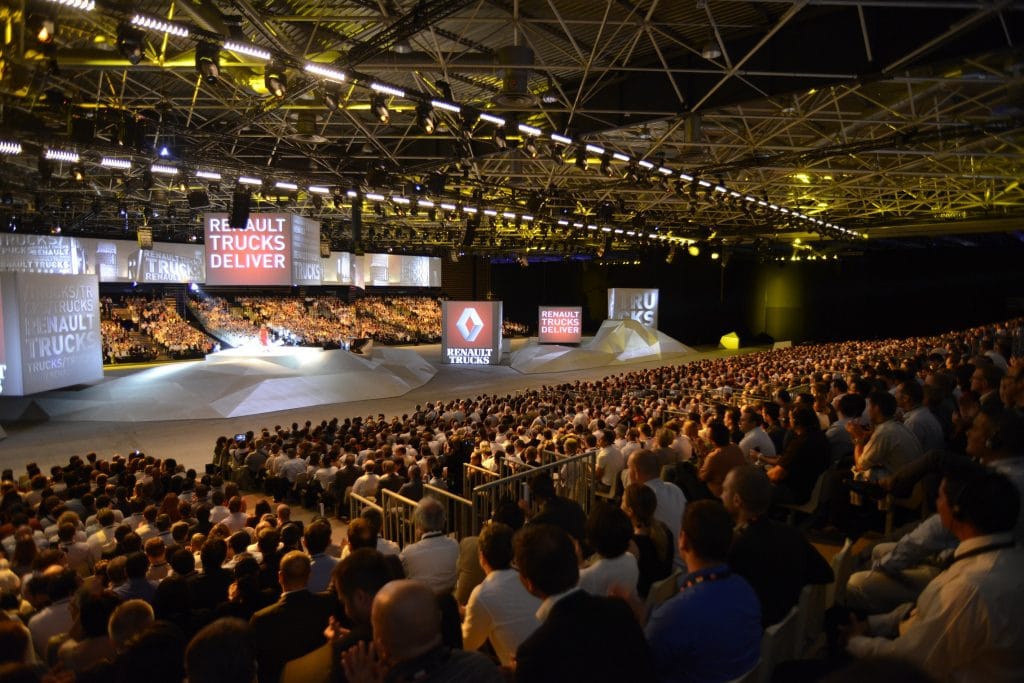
(433, 558)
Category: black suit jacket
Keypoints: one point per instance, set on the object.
(778, 562)
(290, 628)
(585, 638)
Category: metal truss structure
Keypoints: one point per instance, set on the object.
(738, 124)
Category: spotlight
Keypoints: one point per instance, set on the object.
(331, 99)
(671, 257)
(711, 50)
(379, 107)
(530, 147)
(129, 43)
(500, 138)
(581, 159)
(275, 79)
(693, 250)
(715, 255)
(425, 118)
(77, 173)
(208, 62)
(633, 173)
(43, 27)
(606, 166)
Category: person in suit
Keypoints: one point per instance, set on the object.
(606, 644)
(355, 580)
(294, 625)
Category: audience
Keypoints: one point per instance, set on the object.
(115, 563)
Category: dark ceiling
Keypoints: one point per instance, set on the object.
(899, 121)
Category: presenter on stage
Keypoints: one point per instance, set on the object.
(264, 337)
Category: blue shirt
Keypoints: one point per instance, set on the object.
(710, 631)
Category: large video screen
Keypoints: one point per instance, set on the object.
(559, 325)
(260, 255)
(52, 331)
(471, 332)
(640, 305)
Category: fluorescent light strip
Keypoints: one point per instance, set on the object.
(161, 25)
(85, 5)
(561, 139)
(618, 231)
(652, 236)
(351, 194)
(594, 149)
(387, 89)
(61, 155)
(703, 183)
(578, 225)
(664, 170)
(773, 207)
(619, 157)
(646, 164)
(490, 212)
(509, 215)
(720, 188)
(470, 209)
(111, 162)
(447, 106)
(426, 203)
(604, 229)
(631, 233)
(527, 217)
(686, 176)
(490, 118)
(400, 200)
(7, 147)
(447, 207)
(563, 222)
(208, 175)
(529, 130)
(750, 199)
(325, 71)
(246, 180)
(318, 189)
(591, 227)
(286, 186)
(374, 197)
(163, 170)
(783, 209)
(734, 193)
(249, 50)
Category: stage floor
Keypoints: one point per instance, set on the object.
(191, 440)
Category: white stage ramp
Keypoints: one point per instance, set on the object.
(235, 383)
(617, 342)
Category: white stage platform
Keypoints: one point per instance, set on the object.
(234, 383)
(617, 342)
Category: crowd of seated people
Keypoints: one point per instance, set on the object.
(164, 324)
(120, 346)
(512, 328)
(139, 539)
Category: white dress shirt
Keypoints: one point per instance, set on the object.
(598, 578)
(503, 610)
(969, 622)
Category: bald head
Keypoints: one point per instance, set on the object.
(406, 621)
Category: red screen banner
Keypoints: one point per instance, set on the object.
(560, 325)
(259, 255)
(471, 332)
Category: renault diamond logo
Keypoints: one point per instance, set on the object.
(469, 324)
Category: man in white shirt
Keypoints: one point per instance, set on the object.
(754, 436)
(968, 624)
(499, 609)
(433, 558)
(643, 469)
(609, 462)
(54, 619)
(366, 485)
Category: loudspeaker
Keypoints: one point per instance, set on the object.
(239, 210)
(472, 223)
(357, 221)
(198, 199)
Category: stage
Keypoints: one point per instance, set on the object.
(47, 440)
